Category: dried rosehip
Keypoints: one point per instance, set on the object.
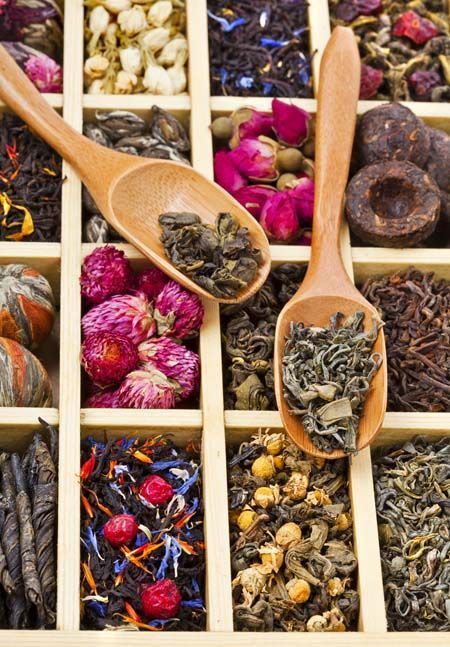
(161, 600)
(156, 490)
(120, 530)
(371, 79)
(348, 10)
(422, 82)
(415, 27)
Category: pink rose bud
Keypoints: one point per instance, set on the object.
(290, 123)
(248, 122)
(45, 73)
(226, 174)
(255, 158)
(254, 197)
(303, 197)
(279, 218)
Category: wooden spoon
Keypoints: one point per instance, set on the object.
(327, 287)
(131, 192)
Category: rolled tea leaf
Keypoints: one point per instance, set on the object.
(53, 440)
(5, 578)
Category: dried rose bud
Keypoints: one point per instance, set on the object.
(156, 490)
(105, 272)
(349, 10)
(288, 535)
(413, 26)
(151, 282)
(279, 218)
(303, 196)
(290, 123)
(248, 122)
(107, 357)
(255, 157)
(120, 530)
(44, 72)
(422, 82)
(227, 174)
(105, 399)
(161, 600)
(126, 314)
(178, 312)
(254, 197)
(175, 361)
(371, 79)
(148, 389)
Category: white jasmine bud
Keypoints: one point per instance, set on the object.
(159, 12)
(130, 59)
(98, 20)
(132, 21)
(156, 39)
(111, 34)
(96, 66)
(116, 6)
(125, 82)
(178, 77)
(97, 87)
(157, 81)
(176, 51)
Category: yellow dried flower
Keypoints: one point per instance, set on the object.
(245, 519)
(275, 444)
(318, 497)
(264, 497)
(272, 555)
(296, 487)
(233, 515)
(298, 590)
(343, 521)
(335, 586)
(316, 623)
(263, 467)
(288, 535)
(278, 463)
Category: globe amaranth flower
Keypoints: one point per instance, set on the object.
(148, 388)
(106, 399)
(254, 197)
(291, 123)
(255, 157)
(107, 357)
(151, 282)
(126, 314)
(279, 218)
(178, 312)
(175, 361)
(248, 122)
(226, 173)
(105, 272)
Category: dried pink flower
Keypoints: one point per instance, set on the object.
(151, 282)
(126, 314)
(371, 79)
(107, 357)
(174, 360)
(178, 313)
(105, 272)
(290, 123)
(256, 158)
(279, 218)
(303, 195)
(254, 197)
(44, 72)
(147, 389)
(249, 122)
(107, 399)
(226, 174)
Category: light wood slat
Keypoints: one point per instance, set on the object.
(319, 23)
(12, 251)
(136, 102)
(25, 417)
(376, 261)
(172, 419)
(224, 105)
(55, 100)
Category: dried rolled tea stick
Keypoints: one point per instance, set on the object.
(5, 578)
(33, 592)
(53, 434)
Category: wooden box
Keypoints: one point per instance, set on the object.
(61, 262)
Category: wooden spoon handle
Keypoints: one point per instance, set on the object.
(336, 118)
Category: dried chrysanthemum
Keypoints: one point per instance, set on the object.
(265, 496)
(127, 314)
(296, 487)
(318, 497)
(246, 518)
(288, 535)
(272, 555)
(105, 272)
(335, 586)
(298, 590)
(178, 313)
(316, 623)
(263, 467)
(107, 357)
(151, 282)
(147, 389)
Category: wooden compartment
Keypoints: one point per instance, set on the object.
(210, 422)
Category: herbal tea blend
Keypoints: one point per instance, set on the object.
(220, 257)
(132, 351)
(267, 167)
(404, 47)
(326, 376)
(28, 491)
(412, 499)
(142, 547)
(292, 556)
(248, 335)
(416, 310)
(125, 132)
(30, 185)
(135, 47)
(259, 48)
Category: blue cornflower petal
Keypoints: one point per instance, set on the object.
(187, 484)
(270, 42)
(267, 88)
(197, 603)
(227, 26)
(141, 539)
(162, 465)
(159, 622)
(194, 585)
(119, 566)
(245, 82)
(161, 572)
(98, 607)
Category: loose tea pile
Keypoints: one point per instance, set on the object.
(219, 258)
(142, 547)
(133, 333)
(416, 312)
(267, 167)
(32, 33)
(291, 539)
(412, 491)
(400, 195)
(28, 495)
(326, 376)
(30, 185)
(404, 47)
(248, 336)
(259, 48)
(125, 132)
(134, 46)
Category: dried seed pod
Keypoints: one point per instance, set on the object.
(438, 165)
(120, 123)
(392, 204)
(392, 132)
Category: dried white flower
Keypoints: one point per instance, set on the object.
(116, 6)
(178, 77)
(157, 81)
(130, 59)
(156, 39)
(96, 66)
(98, 20)
(176, 51)
(132, 21)
(97, 87)
(111, 34)
(159, 12)
(125, 82)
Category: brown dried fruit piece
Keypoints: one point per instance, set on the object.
(438, 165)
(392, 204)
(392, 132)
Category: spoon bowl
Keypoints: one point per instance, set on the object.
(132, 192)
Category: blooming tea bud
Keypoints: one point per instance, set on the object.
(157, 81)
(255, 158)
(175, 51)
(147, 389)
(298, 590)
(130, 59)
(288, 535)
(98, 20)
(248, 122)
(96, 66)
(160, 12)
(279, 218)
(245, 519)
(263, 467)
(227, 174)
(132, 21)
(290, 123)
(107, 357)
(156, 39)
(44, 72)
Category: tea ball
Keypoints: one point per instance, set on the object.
(24, 382)
(27, 306)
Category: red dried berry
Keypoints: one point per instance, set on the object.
(161, 600)
(120, 530)
(422, 83)
(418, 29)
(371, 79)
(156, 490)
(349, 10)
